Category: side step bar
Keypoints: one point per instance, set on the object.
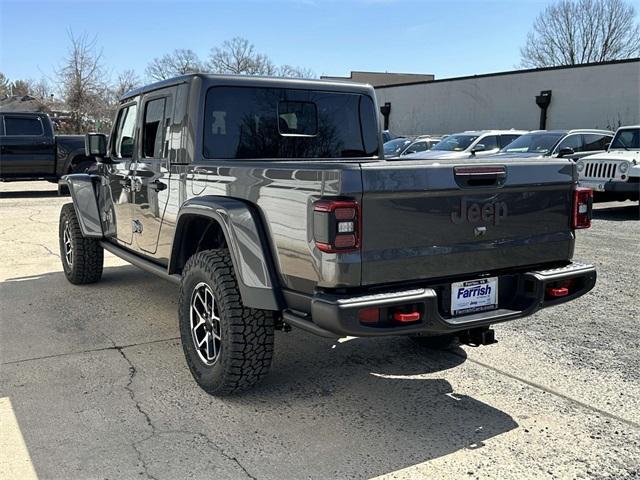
(145, 265)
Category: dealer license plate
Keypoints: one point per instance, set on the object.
(474, 296)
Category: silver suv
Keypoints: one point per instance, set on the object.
(573, 144)
(470, 144)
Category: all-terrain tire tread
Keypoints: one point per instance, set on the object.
(88, 255)
(251, 330)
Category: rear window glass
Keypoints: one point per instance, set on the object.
(22, 126)
(243, 122)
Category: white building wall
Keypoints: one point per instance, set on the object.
(596, 96)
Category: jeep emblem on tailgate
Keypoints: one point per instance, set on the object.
(474, 212)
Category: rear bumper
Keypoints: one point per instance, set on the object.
(520, 295)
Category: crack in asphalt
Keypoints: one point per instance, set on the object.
(23, 242)
(477, 362)
(132, 373)
(155, 432)
(549, 390)
(47, 249)
(92, 350)
(38, 212)
(213, 444)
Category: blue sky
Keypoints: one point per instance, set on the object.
(447, 38)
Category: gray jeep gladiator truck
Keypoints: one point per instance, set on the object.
(271, 205)
(29, 149)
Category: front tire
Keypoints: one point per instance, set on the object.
(228, 346)
(82, 258)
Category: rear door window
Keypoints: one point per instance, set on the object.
(23, 126)
(572, 141)
(505, 140)
(153, 128)
(415, 147)
(490, 142)
(594, 142)
(257, 123)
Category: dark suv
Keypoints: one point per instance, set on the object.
(269, 203)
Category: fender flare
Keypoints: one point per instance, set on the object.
(248, 245)
(85, 203)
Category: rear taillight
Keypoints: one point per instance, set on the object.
(582, 203)
(336, 225)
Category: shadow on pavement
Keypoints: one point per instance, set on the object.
(328, 409)
(627, 212)
(30, 194)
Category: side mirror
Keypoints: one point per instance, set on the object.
(607, 145)
(478, 148)
(95, 145)
(565, 152)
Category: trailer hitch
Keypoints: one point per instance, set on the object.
(478, 336)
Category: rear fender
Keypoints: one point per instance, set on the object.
(83, 194)
(247, 244)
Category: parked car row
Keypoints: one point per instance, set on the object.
(608, 164)
(402, 146)
(572, 144)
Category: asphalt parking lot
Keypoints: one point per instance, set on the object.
(93, 382)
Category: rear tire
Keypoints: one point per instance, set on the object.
(228, 346)
(82, 258)
(439, 342)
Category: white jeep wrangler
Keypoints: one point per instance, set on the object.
(615, 174)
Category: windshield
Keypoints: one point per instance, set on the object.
(395, 146)
(455, 143)
(541, 143)
(628, 139)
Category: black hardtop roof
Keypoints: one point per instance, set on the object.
(247, 80)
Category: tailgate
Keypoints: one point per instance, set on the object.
(440, 218)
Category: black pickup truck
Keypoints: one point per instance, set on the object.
(270, 204)
(29, 150)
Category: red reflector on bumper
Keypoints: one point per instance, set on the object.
(369, 315)
(406, 317)
(558, 292)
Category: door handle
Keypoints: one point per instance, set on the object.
(200, 170)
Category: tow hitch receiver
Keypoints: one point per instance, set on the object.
(478, 336)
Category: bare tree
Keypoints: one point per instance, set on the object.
(5, 85)
(295, 72)
(40, 89)
(238, 56)
(81, 80)
(179, 62)
(127, 80)
(21, 87)
(572, 32)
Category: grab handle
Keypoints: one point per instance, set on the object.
(480, 176)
